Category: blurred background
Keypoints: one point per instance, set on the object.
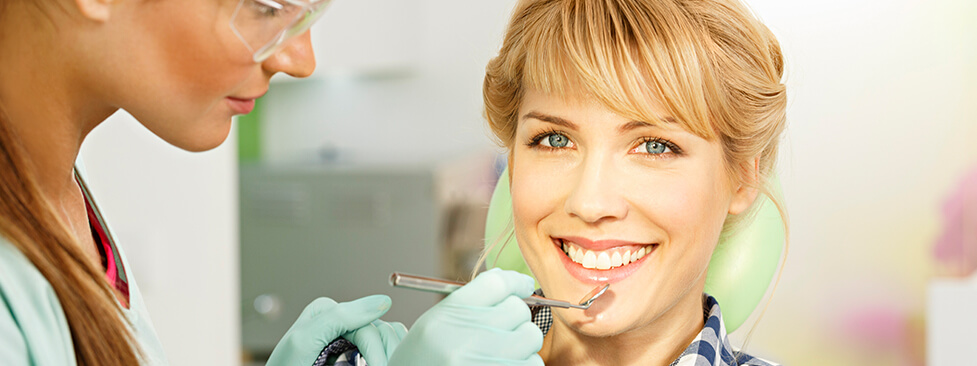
(381, 162)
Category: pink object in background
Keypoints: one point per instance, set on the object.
(957, 246)
(878, 327)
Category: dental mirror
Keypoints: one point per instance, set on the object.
(441, 286)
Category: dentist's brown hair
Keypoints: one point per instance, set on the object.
(99, 330)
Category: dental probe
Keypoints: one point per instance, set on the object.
(441, 286)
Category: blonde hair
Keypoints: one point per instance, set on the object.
(708, 64)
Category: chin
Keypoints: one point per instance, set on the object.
(617, 315)
(202, 139)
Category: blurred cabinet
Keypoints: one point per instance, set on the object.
(340, 231)
(314, 231)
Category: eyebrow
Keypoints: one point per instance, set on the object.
(551, 119)
(640, 124)
(566, 123)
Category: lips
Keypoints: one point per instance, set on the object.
(241, 106)
(602, 261)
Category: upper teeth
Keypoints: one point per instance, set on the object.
(607, 259)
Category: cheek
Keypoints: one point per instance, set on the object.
(689, 206)
(536, 195)
(197, 51)
(527, 207)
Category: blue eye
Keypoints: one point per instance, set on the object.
(656, 147)
(555, 140)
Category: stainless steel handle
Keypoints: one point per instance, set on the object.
(442, 286)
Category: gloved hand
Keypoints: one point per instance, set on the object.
(483, 323)
(376, 341)
(324, 320)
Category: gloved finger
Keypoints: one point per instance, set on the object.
(506, 315)
(491, 287)
(511, 313)
(320, 323)
(316, 307)
(533, 360)
(337, 319)
(400, 328)
(369, 341)
(389, 336)
(517, 344)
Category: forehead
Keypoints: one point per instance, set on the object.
(582, 111)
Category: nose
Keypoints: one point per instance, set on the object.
(595, 196)
(295, 58)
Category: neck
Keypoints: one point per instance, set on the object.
(658, 343)
(47, 106)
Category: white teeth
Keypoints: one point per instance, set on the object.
(589, 260)
(603, 260)
(616, 260)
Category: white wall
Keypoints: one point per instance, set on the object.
(397, 81)
(175, 215)
(882, 120)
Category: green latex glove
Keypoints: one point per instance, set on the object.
(740, 270)
(377, 340)
(324, 320)
(483, 323)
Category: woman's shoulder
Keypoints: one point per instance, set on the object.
(33, 328)
(18, 276)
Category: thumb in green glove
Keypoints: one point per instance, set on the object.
(483, 323)
(325, 320)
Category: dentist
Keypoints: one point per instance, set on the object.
(183, 69)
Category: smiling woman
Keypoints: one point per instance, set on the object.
(639, 131)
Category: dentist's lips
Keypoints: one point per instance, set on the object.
(244, 104)
(241, 106)
(600, 256)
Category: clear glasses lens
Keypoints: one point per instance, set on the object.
(264, 25)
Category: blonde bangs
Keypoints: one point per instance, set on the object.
(626, 57)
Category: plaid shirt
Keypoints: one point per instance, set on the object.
(710, 348)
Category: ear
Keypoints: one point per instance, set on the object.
(97, 10)
(747, 192)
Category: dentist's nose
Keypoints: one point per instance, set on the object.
(596, 196)
(296, 58)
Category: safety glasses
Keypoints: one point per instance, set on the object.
(265, 25)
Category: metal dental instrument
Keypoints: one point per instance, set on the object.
(446, 287)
